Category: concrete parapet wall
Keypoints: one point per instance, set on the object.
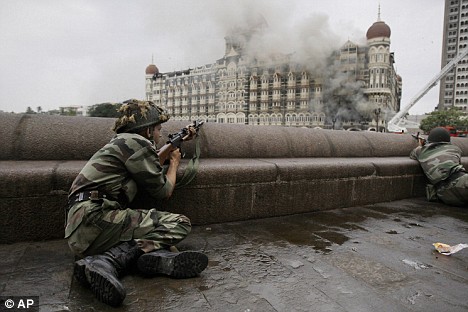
(245, 171)
(44, 137)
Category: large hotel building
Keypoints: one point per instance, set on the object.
(358, 90)
(454, 87)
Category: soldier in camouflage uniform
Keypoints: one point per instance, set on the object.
(105, 228)
(441, 163)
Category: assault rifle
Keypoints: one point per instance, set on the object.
(419, 139)
(175, 141)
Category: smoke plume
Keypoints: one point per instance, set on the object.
(270, 37)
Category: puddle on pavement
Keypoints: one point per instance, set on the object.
(319, 230)
(323, 229)
(334, 237)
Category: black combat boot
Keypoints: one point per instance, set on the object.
(101, 272)
(183, 264)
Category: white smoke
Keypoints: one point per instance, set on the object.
(343, 97)
(309, 43)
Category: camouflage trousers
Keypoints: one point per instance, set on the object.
(98, 226)
(455, 193)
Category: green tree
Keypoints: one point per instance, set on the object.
(29, 110)
(67, 111)
(452, 117)
(104, 110)
(463, 125)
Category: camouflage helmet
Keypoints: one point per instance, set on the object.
(438, 135)
(136, 115)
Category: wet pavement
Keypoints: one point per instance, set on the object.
(372, 258)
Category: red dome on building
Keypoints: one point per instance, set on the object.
(378, 29)
(152, 70)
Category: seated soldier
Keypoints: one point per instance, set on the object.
(105, 228)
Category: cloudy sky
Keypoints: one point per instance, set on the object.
(83, 52)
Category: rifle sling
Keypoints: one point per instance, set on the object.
(192, 167)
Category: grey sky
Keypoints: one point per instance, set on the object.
(82, 52)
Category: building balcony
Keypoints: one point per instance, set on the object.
(377, 90)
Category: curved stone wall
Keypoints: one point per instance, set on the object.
(245, 172)
(44, 137)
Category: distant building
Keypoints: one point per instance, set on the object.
(358, 89)
(74, 110)
(454, 87)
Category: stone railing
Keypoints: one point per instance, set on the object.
(245, 171)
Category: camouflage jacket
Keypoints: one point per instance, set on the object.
(438, 160)
(127, 164)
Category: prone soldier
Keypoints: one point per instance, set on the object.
(440, 161)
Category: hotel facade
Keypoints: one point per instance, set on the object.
(238, 89)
